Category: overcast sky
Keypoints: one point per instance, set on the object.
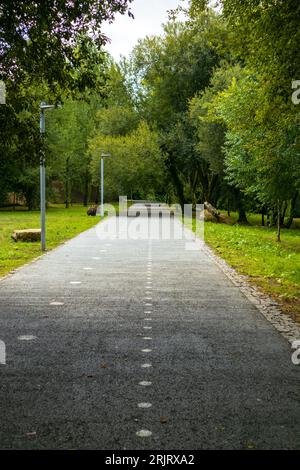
(149, 16)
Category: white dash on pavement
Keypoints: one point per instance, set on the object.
(145, 383)
(146, 350)
(56, 304)
(144, 405)
(26, 337)
(146, 366)
(74, 283)
(144, 433)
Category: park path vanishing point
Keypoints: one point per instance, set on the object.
(140, 344)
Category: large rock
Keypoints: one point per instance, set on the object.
(28, 235)
(92, 211)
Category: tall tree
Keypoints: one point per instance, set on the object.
(51, 39)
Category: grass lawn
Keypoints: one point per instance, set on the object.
(62, 224)
(253, 251)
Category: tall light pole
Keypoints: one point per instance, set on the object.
(103, 155)
(43, 108)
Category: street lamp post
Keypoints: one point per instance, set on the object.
(43, 108)
(103, 155)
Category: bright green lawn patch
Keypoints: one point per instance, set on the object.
(62, 224)
(254, 252)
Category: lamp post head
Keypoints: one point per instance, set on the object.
(105, 154)
(44, 106)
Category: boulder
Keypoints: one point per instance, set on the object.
(28, 235)
(92, 211)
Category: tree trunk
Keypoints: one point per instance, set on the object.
(292, 210)
(86, 189)
(282, 214)
(278, 222)
(242, 216)
(178, 185)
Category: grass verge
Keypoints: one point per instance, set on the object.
(62, 224)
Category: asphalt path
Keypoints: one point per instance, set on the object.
(140, 344)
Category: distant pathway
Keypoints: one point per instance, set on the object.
(140, 344)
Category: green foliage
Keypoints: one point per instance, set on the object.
(262, 143)
(55, 41)
(135, 167)
(173, 67)
(117, 120)
(170, 70)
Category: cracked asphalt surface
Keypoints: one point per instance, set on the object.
(150, 347)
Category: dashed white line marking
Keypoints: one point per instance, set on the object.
(146, 350)
(56, 304)
(148, 305)
(146, 366)
(144, 433)
(96, 258)
(147, 327)
(74, 283)
(147, 338)
(26, 337)
(144, 405)
(147, 319)
(148, 298)
(88, 269)
(145, 383)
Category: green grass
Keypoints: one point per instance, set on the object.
(253, 251)
(62, 224)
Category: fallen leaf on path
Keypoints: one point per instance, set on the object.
(163, 420)
(103, 365)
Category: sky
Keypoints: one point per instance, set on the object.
(149, 15)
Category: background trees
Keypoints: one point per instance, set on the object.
(201, 113)
(135, 168)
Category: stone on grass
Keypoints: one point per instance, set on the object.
(28, 235)
(92, 211)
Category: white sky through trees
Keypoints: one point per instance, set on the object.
(149, 16)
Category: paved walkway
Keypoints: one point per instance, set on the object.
(140, 344)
